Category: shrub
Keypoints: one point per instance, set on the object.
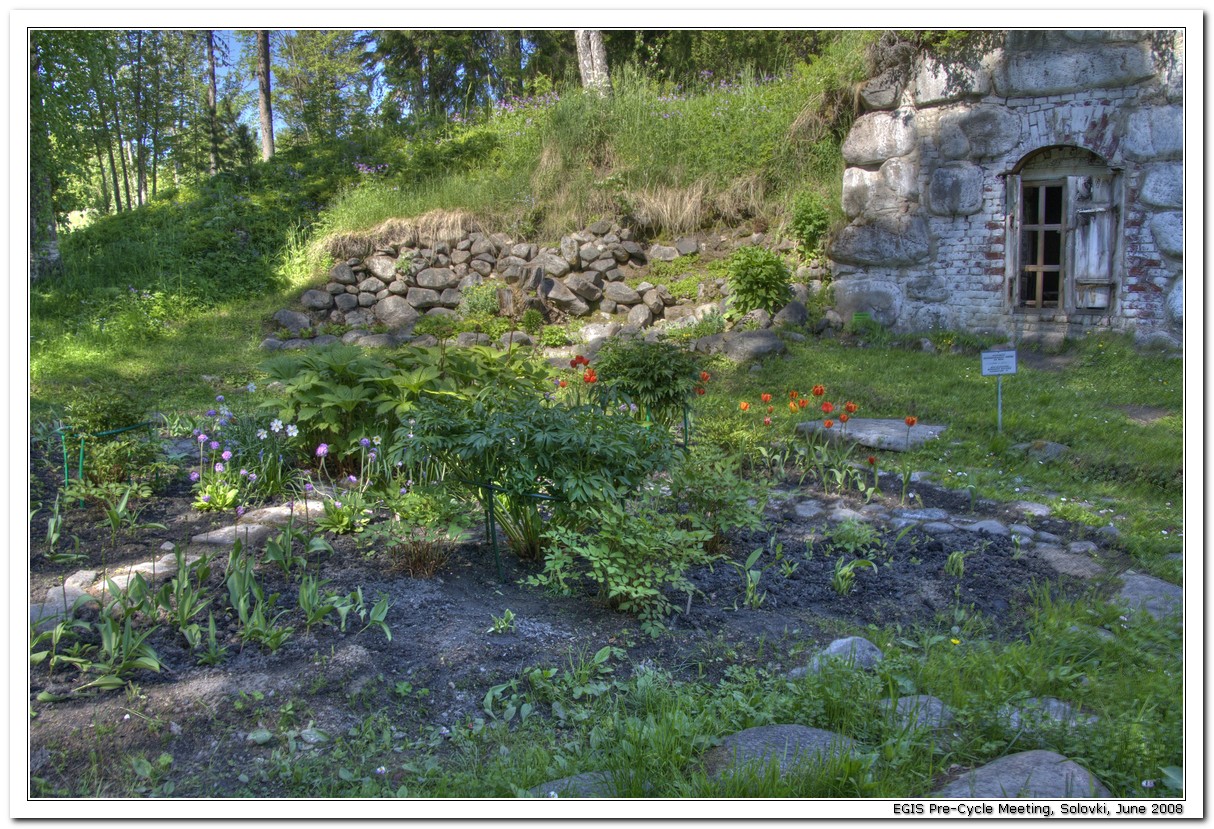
(110, 458)
(633, 553)
(573, 456)
(532, 321)
(708, 325)
(759, 279)
(479, 301)
(553, 336)
(439, 326)
(659, 377)
(713, 496)
(809, 222)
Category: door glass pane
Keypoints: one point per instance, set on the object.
(1030, 205)
(1052, 249)
(1053, 205)
(1049, 292)
(1028, 288)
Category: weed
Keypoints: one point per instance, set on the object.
(504, 623)
(844, 576)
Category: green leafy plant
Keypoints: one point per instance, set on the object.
(955, 564)
(844, 576)
(752, 575)
(504, 623)
(479, 300)
(532, 321)
(634, 554)
(349, 514)
(658, 377)
(712, 494)
(809, 222)
(758, 278)
(855, 538)
(426, 521)
(215, 652)
(123, 651)
(553, 336)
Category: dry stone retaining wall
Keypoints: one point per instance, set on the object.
(926, 184)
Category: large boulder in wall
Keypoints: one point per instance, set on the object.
(879, 298)
(879, 136)
(893, 239)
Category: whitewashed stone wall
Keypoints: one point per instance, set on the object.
(926, 194)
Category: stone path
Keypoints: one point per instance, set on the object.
(92, 585)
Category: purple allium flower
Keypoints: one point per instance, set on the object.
(218, 467)
(307, 487)
(404, 490)
(364, 443)
(206, 499)
(194, 476)
(252, 477)
(197, 432)
(214, 445)
(219, 398)
(352, 479)
(371, 456)
(202, 438)
(322, 450)
(244, 473)
(211, 413)
(239, 511)
(227, 455)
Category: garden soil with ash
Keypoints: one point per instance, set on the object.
(441, 645)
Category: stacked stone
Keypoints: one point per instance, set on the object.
(394, 286)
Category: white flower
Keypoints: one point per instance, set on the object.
(275, 425)
(252, 387)
(376, 440)
(292, 431)
(381, 770)
(262, 434)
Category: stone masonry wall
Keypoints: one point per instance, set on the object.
(926, 193)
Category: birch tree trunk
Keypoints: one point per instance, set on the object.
(592, 60)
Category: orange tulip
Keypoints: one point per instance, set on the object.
(851, 407)
(843, 417)
(744, 406)
(766, 398)
(828, 423)
(911, 421)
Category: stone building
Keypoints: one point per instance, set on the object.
(1036, 191)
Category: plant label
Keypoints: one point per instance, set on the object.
(998, 363)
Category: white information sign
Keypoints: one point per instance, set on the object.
(998, 363)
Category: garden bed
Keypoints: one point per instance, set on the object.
(434, 673)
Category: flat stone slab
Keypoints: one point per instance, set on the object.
(786, 745)
(1156, 596)
(926, 514)
(808, 509)
(876, 433)
(1069, 564)
(586, 784)
(248, 534)
(919, 711)
(989, 526)
(1027, 774)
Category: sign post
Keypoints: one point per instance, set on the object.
(998, 363)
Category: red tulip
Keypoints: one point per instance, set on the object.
(828, 407)
(819, 391)
(767, 421)
(843, 417)
(771, 409)
(793, 395)
(563, 384)
(766, 398)
(828, 423)
(851, 407)
(700, 390)
(911, 421)
(704, 375)
(872, 460)
(802, 402)
(590, 376)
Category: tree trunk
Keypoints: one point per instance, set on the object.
(155, 121)
(263, 94)
(592, 60)
(141, 178)
(126, 180)
(212, 99)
